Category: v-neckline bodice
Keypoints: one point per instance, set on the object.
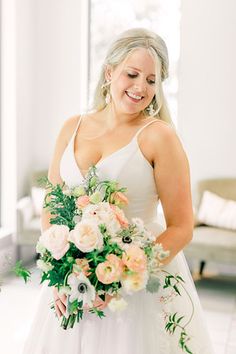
(104, 159)
(101, 161)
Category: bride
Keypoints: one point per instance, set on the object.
(130, 138)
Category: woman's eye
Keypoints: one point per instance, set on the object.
(132, 75)
(152, 82)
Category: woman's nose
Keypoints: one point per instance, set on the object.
(140, 85)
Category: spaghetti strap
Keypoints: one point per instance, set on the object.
(146, 125)
(141, 129)
(78, 124)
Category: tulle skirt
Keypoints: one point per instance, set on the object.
(139, 329)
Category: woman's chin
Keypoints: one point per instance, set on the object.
(130, 109)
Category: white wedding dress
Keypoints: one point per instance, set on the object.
(140, 328)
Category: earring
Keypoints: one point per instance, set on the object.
(108, 98)
(106, 88)
(150, 109)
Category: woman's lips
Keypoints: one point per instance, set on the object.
(135, 100)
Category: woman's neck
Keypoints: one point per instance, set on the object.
(113, 118)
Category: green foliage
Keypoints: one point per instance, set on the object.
(174, 320)
(21, 271)
(173, 281)
(98, 312)
(61, 205)
(72, 306)
(182, 342)
(173, 323)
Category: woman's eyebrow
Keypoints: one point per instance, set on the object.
(132, 67)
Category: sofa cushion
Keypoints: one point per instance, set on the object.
(214, 236)
(217, 211)
(212, 244)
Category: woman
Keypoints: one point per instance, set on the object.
(129, 137)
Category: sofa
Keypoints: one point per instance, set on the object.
(212, 243)
(28, 213)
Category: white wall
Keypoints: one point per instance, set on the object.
(8, 115)
(50, 67)
(207, 77)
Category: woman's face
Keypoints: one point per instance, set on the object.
(133, 82)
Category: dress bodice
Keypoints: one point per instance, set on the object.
(126, 165)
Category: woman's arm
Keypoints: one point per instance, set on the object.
(172, 176)
(54, 167)
(54, 177)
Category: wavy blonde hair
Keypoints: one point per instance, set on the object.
(120, 49)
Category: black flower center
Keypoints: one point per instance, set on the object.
(82, 288)
(127, 239)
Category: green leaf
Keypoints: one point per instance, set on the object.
(72, 306)
(178, 321)
(173, 317)
(180, 278)
(21, 271)
(176, 289)
(187, 349)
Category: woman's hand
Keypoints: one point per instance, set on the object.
(100, 304)
(60, 302)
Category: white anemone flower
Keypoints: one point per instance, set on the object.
(81, 289)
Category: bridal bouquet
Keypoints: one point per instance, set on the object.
(92, 249)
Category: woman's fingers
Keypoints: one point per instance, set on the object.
(63, 299)
(60, 302)
(58, 312)
(99, 303)
(61, 306)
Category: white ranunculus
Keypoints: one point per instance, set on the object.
(40, 248)
(81, 289)
(102, 213)
(86, 236)
(117, 304)
(45, 267)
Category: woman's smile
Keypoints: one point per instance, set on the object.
(133, 97)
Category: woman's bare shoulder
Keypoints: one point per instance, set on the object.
(159, 137)
(62, 140)
(160, 130)
(68, 128)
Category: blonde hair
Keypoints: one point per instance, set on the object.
(122, 46)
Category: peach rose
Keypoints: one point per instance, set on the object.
(134, 282)
(82, 201)
(55, 240)
(119, 199)
(81, 265)
(135, 259)
(120, 216)
(109, 271)
(86, 236)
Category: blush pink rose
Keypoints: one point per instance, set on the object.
(109, 271)
(120, 216)
(135, 259)
(55, 240)
(86, 236)
(82, 201)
